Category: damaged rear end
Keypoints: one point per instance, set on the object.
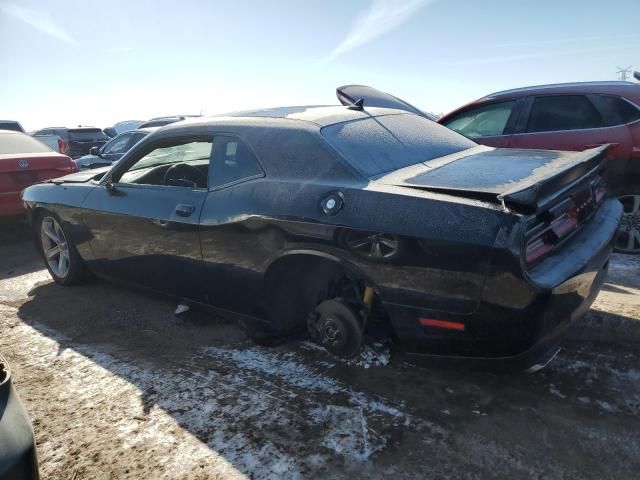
(550, 248)
(551, 255)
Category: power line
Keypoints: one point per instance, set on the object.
(623, 73)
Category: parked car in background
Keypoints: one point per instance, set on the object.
(122, 127)
(54, 142)
(18, 459)
(11, 125)
(23, 162)
(162, 121)
(112, 151)
(76, 141)
(571, 116)
(340, 221)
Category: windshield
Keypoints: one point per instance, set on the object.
(11, 142)
(377, 145)
(87, 134)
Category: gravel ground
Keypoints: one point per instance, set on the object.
(119, 387)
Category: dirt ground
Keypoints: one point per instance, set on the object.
(118, 387)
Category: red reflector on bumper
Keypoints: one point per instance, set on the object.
(430, 322)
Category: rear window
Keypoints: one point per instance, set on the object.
(20, 143)
(13, 126)
(615, 110)
(378, 145)
(87, 134)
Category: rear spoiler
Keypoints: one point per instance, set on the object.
(536, 192)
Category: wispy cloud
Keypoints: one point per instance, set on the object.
(37, 19)
(381, 17)
(530, 56)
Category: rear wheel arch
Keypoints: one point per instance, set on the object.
(296, 282)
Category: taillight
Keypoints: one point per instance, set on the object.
(559, 222)
(63, 147)
(599, 191)
(538, 247)
(566, 223)
(73, 167)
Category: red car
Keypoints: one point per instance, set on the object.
(23, 162)
(571, 116)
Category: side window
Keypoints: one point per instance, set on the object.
(182, 163)
(231, 161)
(137, 137)
(41, 133)
(615, 110)
(118, 145)
(485, 121)
(563, 112)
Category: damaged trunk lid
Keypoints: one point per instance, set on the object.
(525, 180)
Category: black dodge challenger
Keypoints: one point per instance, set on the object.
(341, 222)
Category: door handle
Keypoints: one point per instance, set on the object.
(184, 210)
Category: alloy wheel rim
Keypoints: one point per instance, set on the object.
(629, 232)
(55, 247)
(373, 245)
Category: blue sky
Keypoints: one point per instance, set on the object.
(69, 62)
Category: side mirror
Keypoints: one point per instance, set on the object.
(94, 151)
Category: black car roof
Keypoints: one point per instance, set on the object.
(319, 116)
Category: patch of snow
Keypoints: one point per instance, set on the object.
(556, 392)
(606, 406)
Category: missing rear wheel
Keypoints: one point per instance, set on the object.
(337, 328)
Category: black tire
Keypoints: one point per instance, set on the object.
(628, 241)
(337, 328)
(70, 270)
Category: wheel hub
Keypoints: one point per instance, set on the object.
(55, 247)
(331, 332)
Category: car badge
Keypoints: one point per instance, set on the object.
(24, 163)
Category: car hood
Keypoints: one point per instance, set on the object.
(520, 178)
(82, 176)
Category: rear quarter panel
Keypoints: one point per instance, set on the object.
(445, 243)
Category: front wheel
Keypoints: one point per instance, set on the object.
(60, 256)
(629, 233)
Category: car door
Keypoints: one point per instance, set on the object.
(144, 216)
(232, 249)
(569, 122)
(488, 124)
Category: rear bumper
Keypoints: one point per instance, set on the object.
(518, 335)
(11, 204)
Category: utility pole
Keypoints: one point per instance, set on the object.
(623, 72)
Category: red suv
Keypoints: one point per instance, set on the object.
(571, 116)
